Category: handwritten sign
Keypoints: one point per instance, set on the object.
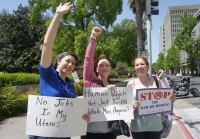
(56, 116)
(106, 104)
(154, 100)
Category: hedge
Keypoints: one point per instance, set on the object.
(17, 79)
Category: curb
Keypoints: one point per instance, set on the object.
(182, 127)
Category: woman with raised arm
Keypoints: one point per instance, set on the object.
(96, 74)
(144, 127)
(54, 81)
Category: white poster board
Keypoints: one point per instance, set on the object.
(56, 116)
(107, 104)
(154, 100)
(165, 83)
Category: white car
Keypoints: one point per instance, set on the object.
(179, 75)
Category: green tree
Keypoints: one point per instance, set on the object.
(121, 66)
(100, 12)
(138, 8)
(20, 44)
(172, 59)
(126, 34)
(117, 43)
(76, 25)
(160, 64)
(185, 39)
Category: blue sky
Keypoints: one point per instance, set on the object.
(156, 19)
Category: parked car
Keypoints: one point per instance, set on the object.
(179, 75)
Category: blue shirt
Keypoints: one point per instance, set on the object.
(52, 85)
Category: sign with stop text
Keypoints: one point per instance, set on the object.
(154, 100)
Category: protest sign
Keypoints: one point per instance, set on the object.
(56, 116)
(154, 100)
(110, 104)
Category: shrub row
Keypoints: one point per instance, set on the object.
(13, 102)
(16, 79)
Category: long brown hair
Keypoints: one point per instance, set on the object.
(140, 57)
(96, 65)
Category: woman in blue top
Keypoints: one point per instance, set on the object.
(53, 81)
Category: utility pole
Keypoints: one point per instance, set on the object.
(148, 22)
(151, 9)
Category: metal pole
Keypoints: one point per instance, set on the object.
(148, 22)
(198, 69)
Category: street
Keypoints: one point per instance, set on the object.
(195, 81)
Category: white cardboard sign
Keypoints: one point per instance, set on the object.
(106, 104)
(56, 116)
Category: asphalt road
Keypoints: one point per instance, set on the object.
(195, 81)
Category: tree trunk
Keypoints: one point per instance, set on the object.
(139, 27)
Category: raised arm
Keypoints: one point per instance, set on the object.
(47, 49)
(88, 73)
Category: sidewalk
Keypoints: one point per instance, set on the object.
(186, 124)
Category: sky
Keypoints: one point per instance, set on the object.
(11, 5)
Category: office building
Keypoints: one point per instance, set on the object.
(170, 27)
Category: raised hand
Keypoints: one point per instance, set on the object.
(96, 31)
(62, 9)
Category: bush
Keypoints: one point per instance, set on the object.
(16, 79)
(113, 74)
(13, 102)
(78, 88)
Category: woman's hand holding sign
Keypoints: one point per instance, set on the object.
(136, 104)
(86, 117)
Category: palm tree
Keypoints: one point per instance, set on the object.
(138, 8)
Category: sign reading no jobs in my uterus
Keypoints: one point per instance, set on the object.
(109, 104)
(56, 116)
(154, 100)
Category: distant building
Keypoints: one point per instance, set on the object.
(197, 27)
(170, 27)
(162, 39)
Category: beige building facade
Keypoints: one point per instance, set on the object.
(170, 27)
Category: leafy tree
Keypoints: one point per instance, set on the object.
(126, 34)
(100, 12)
(117, 43)
(160, 64)
(20, 44)
(185, 39)
(121, 66)
(138, 8)
(76, 26)
(172, 59)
